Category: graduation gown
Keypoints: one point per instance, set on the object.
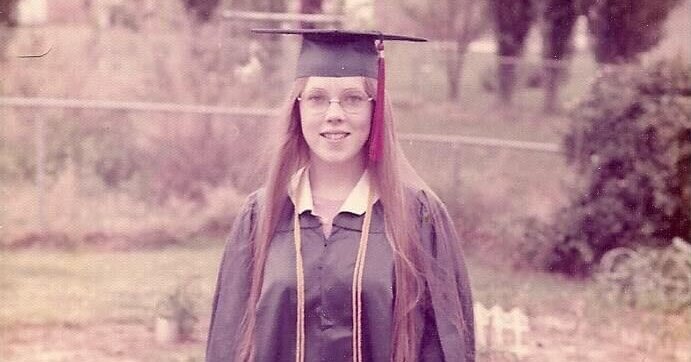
(328, 270)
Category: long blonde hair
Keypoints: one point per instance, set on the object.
(292, 153)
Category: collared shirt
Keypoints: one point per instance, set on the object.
(328, 273)
(300, 193)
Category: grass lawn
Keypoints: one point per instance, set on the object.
(49, 295)
(97, 286)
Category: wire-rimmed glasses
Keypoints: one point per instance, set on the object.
(350, 101)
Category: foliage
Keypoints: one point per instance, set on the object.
(310, 7)
(648, 277)
(512, 21)
(257, 5)
(182, 306)
(7, 23)
(623, 29)
(535, 243)
(459, 22)
(630, 141)
(201, 10)
(7, 12)
(187, 162)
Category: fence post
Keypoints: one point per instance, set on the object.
(40, 172)
(455, 180)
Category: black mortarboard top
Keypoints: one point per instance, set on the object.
(345, 53)
(338, 53)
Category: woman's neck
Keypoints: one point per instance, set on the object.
(334, 181)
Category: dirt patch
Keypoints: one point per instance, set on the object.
(98, 342)
(551, 338)
(153, 239)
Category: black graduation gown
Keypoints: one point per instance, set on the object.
(328, 269)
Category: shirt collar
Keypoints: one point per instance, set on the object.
(355, 203)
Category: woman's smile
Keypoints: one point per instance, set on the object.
(335, 135)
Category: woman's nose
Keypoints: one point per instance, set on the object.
(335, 112)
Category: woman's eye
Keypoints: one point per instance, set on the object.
(353, 98)
(316, 98)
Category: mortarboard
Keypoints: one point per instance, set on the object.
(343, 53)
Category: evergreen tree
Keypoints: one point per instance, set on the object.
(623, 29)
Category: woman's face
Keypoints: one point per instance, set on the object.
(335, 115)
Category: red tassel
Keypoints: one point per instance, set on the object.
(375, 146)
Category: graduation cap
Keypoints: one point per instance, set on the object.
(343, 53)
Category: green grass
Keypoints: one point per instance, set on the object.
(52, 287)
(49, 287)
(55, 287)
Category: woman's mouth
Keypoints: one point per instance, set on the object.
(334, 136)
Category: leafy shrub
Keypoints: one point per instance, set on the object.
(182, 306)
(622, 30)
(659, 277)
(535, 241)
(630, 142)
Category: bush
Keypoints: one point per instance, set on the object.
(630, 141)
(648, 277)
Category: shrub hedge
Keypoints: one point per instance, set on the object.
(630, 143)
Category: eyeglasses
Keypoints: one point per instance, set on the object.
(350, 101)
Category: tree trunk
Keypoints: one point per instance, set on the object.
(454, 70)
(552, 79)
(310, 7)
(6, 35)
(513, 19)
(452, 74)
(682, 221)
(559, 20)
(507, 80)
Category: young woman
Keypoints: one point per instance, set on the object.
(344, 254)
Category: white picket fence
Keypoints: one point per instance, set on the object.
(500, 330)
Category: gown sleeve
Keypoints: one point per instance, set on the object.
(232, 287)
(454, 327)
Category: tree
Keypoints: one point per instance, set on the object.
(623, 29)
(512, 22)
(202, 10)
(458, 21)
(559, 18)
(310, 7)
(7, 22)
(7, 9)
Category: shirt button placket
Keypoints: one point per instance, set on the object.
(321, 312)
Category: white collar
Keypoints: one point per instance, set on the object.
(355, 203)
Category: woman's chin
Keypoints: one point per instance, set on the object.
(337, 157)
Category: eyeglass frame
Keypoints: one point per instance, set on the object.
(337, 100)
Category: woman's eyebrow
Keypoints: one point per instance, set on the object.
(324, 89)
(315, 89)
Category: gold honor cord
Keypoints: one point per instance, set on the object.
(357, 286)
(300, 331)
(357, 282)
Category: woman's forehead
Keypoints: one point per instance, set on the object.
(335, 83)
